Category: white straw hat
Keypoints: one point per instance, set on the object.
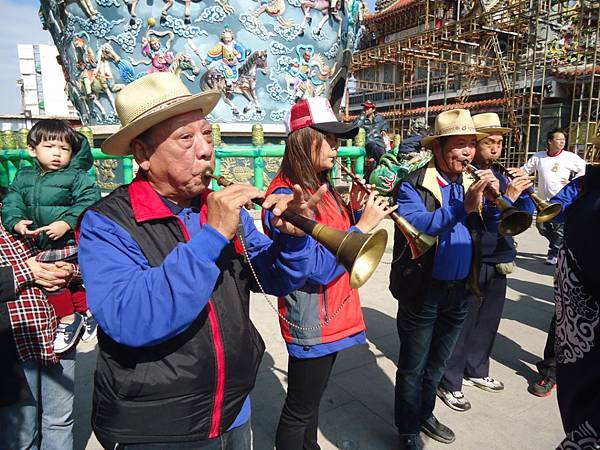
(150, 100)
(489, 123)
(456, 122)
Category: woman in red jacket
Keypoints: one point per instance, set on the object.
(323, 317)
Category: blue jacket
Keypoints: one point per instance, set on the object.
(448, 222)
(566, 196)
(123, 289)
(496, 248)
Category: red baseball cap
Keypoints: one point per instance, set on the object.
(368, 104)
(316, 113)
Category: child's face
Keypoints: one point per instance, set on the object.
(52, 154)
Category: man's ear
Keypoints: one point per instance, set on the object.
(141, 153)
(31, 151)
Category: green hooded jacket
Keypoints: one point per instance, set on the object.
(46, 197)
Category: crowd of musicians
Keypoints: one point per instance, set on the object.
(168, 266)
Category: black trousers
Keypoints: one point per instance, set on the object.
(547, 366)
(307, 380)
(471, 355)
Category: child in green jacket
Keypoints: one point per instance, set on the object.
(45, 201)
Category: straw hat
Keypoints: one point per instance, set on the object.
(489, 123)
(456, 122)
(150, 100)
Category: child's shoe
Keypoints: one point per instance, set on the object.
(67, 334)
(90, 328)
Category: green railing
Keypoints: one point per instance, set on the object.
(13, 159)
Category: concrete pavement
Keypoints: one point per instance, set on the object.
(357, 409)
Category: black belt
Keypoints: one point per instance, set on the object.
(448, 283)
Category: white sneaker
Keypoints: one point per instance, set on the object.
(455, 400)
(487, 384)
(67, 334)
(467, 382)
(90, 328)
(551, 260)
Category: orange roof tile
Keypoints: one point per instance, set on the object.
(392, 10)
(438, 108)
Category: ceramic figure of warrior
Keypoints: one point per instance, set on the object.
(228, 54)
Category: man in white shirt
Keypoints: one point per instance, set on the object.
(555, 167)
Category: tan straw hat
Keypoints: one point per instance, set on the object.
(150, 100)
(489, 123)
(456, 122)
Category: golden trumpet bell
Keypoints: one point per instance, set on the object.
(545, 211)
(358, 253)
(513, 221)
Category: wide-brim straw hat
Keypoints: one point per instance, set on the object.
(150, 100)
(489, 123)
(456, 122)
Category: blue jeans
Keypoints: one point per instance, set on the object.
(237, 439)
(554, 232)
(428, 332)
(45, 421)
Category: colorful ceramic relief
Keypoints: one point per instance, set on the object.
(263, 55)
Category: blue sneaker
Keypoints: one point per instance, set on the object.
(90, 328)
(67, 334)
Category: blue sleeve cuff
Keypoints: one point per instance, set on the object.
(507, 198)
(208, 243)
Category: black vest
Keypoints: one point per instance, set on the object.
(167, 392)
(409, 278)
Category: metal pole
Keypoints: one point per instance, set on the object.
(427, 93)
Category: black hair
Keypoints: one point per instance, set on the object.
(3, 192)
(53, 129)
(553, 131)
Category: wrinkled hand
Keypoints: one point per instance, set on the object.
(51, 276)
(515, 172)
(376, 208)
(296, 203)
(473, 196)
(358, 195)
(224, 207)
(492, 182)
(55, 230)
(517, 185)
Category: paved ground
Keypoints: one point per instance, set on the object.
(357, 410)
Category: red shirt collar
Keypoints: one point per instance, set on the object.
(147, 204)
(554, 156)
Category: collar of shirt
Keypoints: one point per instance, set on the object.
(177, 209)
(444, 180)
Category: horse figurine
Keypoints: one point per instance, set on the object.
(244, 85)
(126, 70)
(273, 8)
(328, 8)
(182, 64)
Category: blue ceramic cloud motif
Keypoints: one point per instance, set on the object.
(263, 55)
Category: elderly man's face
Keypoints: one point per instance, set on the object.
(489, 149)
(175, 154)
(453, 153)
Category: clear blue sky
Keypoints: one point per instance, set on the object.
(21, 25)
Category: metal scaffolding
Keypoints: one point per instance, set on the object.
(493, 54)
